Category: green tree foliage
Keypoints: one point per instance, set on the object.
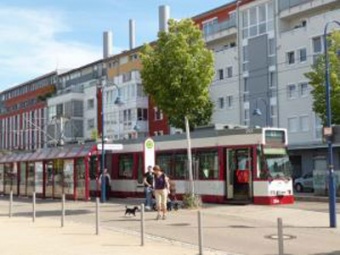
(317, 81)
(177, 72)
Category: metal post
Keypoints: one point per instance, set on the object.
(331, 189)
(103, 186)
(200, 233)
(62, 210)
(97, 216)
(280, 235)
(10, 203)
(34, 200)
(142, 225)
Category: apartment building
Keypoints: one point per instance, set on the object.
(72, 114)
(23, 113)
(262, 50)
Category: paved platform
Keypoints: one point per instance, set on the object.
(227, 229)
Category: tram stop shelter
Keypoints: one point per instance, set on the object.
(49, 172)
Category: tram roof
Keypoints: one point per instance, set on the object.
(199, 133)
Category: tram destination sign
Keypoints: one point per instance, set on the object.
(110, 146)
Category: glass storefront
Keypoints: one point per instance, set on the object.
(30, 179)
(81, 181)
(22, 182)
(68, 183)
(58, 179)
(2, 178)
(49, 179)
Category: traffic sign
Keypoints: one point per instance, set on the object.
(110, 146)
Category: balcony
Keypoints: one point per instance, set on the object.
(289, 8)
(220, 30)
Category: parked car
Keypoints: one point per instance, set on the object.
(304, 183)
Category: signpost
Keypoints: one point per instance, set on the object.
(110, 147)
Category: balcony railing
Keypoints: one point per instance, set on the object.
(219, 27)
(286, 4)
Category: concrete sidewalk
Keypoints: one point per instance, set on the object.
(227, 229)
(20, 236)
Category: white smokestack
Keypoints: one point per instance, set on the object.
(132, 40)
(107, 44)
(164, 15)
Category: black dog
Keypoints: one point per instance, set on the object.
(131, 211)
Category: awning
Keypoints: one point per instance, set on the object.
(74, 151)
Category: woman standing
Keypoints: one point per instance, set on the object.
(161, 191)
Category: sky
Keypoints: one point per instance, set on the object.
(40, 36)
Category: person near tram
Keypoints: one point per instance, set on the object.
(107, 180)
(148, 187)
(161, 191)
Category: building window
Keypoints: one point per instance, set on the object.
(245, 85)
(317, 48)
(293, 124)
(142, 114)
(229, 71)
(291, 91)
(220, 74)
(158, 114)
(90, 104)
(229, 101)
(209, 26)
(158, 133)
(221, 102)
(318, 127)
(302, 55)
(290, 57)
(303, 89)
(304, 123)
(272, 80)
(90, 124)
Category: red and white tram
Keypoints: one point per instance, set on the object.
(229, 165)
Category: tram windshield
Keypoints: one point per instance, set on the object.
(278, 163)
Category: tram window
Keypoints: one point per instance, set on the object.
(207, 165)
(180, 166)
(93, 167)
(125, 166)
(164, 161)
(140, 169)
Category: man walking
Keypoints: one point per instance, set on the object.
(148, 187)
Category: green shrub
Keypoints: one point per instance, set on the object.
(192, 201)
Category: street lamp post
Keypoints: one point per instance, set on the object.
(118, 102)
(331, 182)
(257, 111)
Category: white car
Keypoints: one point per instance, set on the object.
(304, 183)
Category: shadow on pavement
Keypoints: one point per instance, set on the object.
(329, 253)
(50, 213)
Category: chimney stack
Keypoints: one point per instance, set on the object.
(164, 15)
(132, 40)
(107, 44)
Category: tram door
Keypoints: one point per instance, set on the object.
(238, 173)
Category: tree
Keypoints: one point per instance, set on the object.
(177, 72)
(317, 81)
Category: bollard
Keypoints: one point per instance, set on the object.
(97, 215)
(142, 225)
(33, 202)
(62, 210)
(280, 235)
(10, 203)
(200, 233)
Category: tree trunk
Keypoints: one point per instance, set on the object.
(191, 179)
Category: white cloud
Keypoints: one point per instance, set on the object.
(31, 45)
